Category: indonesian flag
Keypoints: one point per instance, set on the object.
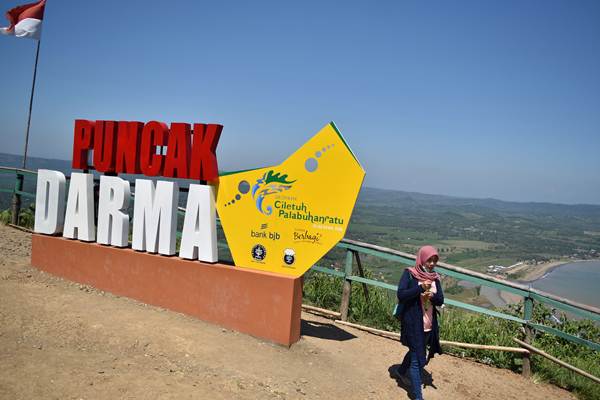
(26, 20)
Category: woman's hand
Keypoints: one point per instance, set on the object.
(426, 285)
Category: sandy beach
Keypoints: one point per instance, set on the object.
(535, 272)
(531, 273)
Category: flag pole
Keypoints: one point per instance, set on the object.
(16, 200)
(37, 53)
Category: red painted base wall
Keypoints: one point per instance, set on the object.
(258, 303)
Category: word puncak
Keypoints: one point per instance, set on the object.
(135, 148)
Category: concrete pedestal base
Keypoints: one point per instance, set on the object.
(258, 303)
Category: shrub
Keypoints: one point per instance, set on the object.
(26, 216)
(5, 216)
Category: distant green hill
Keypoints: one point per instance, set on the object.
(473, 233)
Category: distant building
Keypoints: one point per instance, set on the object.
(495, 268)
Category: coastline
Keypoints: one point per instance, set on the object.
(534, 277)
(532, 274)
(535, 272)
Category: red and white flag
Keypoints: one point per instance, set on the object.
(26, 20)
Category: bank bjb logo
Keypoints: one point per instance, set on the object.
(259, 252)
(289, 256)
(270, 183)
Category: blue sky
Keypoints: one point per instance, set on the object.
(467, 98)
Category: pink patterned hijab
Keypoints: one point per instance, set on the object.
(418, 271)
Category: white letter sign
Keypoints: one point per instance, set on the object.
(113, 219)
(79, 217)
(155, 216)
(49, 202)
(199, 237)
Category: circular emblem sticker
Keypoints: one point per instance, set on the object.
(289, 256)
(259, 252)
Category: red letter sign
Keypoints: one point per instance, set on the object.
(204, 160)
(131, 147)
(105, 145)
(83, 137)
(128, 147)
(154, 134)
(178, 151)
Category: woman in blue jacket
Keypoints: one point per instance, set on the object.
(419, 293)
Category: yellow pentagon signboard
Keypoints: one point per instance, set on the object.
(284, 218)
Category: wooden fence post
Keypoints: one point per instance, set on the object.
(527, 316)
(345, 303)
(16, 200)
(361, 272)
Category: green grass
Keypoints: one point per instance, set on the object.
(26, 217)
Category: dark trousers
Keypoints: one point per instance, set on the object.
(410, 364)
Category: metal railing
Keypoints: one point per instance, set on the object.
(354, 250)
(17, 189)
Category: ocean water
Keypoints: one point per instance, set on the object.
(578, 281)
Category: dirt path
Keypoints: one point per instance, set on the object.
(61, 340)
